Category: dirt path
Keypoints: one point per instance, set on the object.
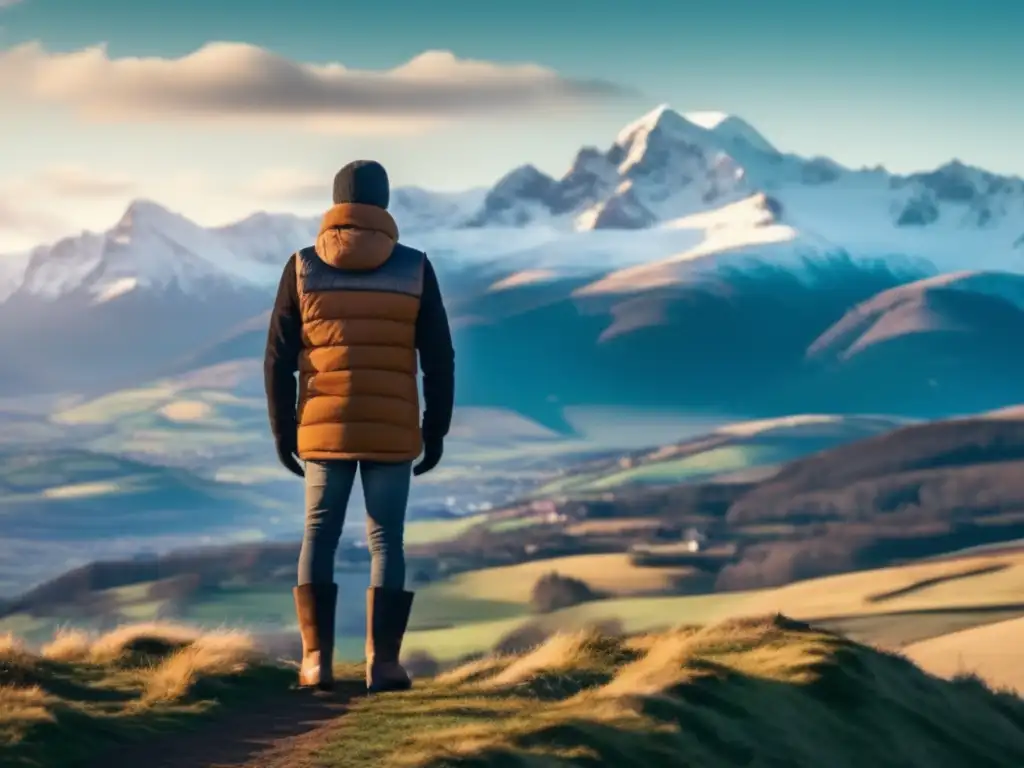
(274, 734)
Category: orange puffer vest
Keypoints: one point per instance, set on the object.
(359, 295)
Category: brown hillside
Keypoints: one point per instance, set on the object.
(953, 443)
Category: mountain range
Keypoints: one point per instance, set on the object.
(691, 265)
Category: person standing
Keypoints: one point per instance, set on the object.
(353, 312)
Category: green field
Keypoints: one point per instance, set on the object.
(612, 574)
(243, 607)
(715, 449)
(433, 531)
(503, 593)
(171, 421)
(703, 465)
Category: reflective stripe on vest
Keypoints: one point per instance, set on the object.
(401, 273)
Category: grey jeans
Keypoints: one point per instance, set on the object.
(386, 494)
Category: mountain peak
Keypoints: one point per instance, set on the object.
(144, 206)
(143, 211)
(662, 118)
(709, 119)
(732, 130)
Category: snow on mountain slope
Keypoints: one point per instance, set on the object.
(417, 210)
(673, 199)
(659, 166)
(856, 216)
(151, 248)
(746, 205)
(268, 238)
(717, 239)
(12, 273)
(735, 132)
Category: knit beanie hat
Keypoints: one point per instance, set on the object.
(362, 181)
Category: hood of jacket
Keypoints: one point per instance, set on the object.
(356, 236)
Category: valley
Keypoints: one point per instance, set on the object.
(873, 528)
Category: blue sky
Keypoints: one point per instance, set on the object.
(906, 84)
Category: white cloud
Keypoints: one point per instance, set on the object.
(8, 3)
(239, 82)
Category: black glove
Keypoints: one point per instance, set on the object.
(288, 453)
(433, 449)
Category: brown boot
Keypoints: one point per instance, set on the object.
(315, 607)
(387, 616)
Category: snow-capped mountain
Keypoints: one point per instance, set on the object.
(149, 248)
(744, 203)
(267, 238)
(672, 198)
(690, 252)
(152, 248)
(417, 210)
(12, 273)
(659, 167)
(666, 166)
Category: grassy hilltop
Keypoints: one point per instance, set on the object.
(752, 691)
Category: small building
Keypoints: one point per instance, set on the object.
(695, 539)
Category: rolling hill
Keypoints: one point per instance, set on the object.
(943, 338)
(539, 347)
(738, 451)
(985, 445)
(991, 652)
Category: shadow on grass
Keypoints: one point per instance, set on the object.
(229, 716)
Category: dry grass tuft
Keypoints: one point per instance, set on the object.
(69, 645)
(762, 647)
(90, 688)
(217, 654)
(474, 671)
(22, 706)
(663, 666)
(149, 639)
(644, 642)
(561, 652)
(11, 646)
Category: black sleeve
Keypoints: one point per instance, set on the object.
(281, 360)
(437, 357)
